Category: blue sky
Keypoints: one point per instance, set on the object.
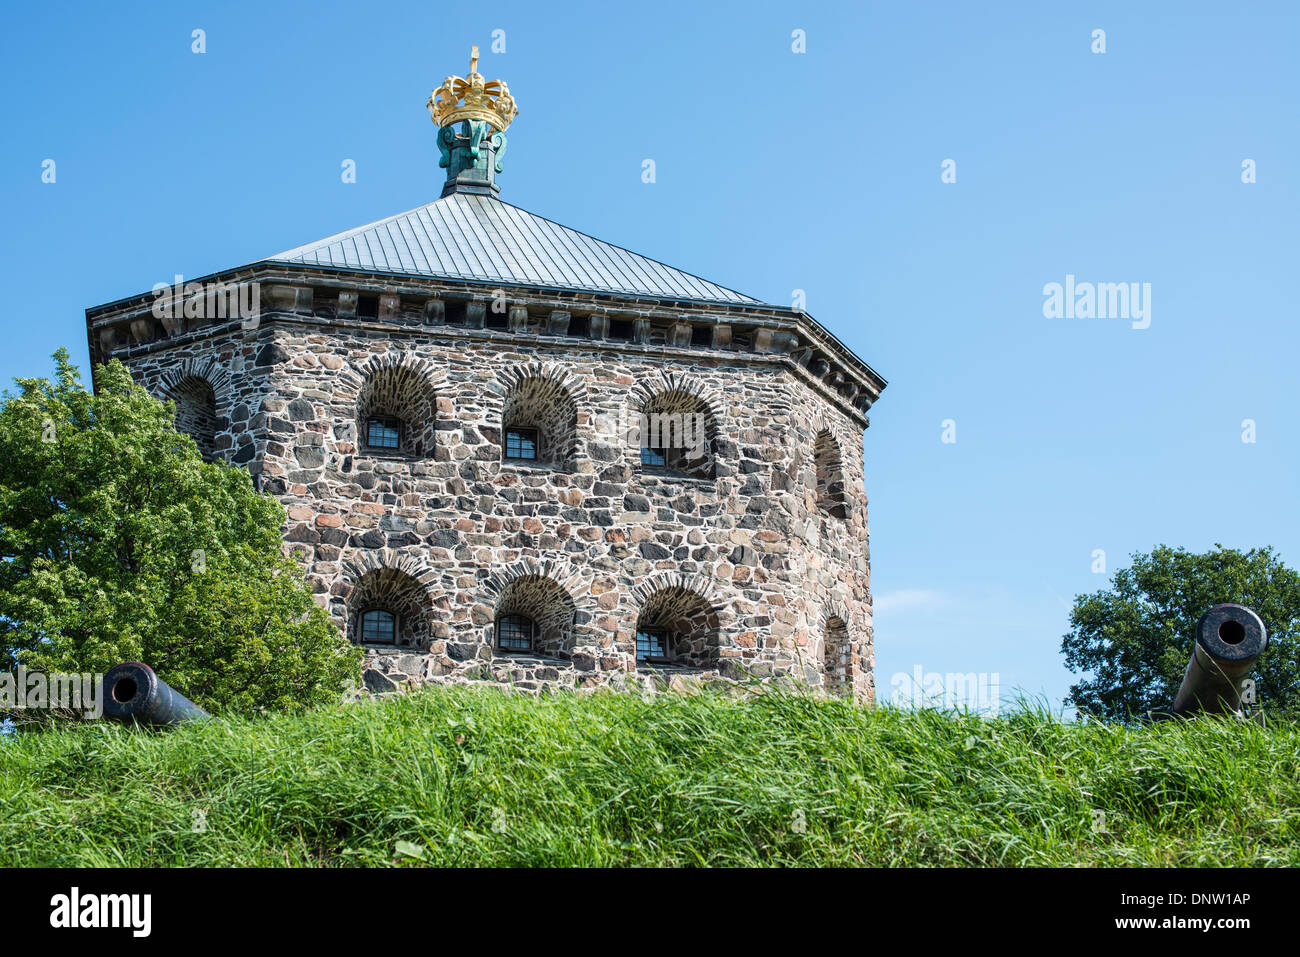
(776, 171)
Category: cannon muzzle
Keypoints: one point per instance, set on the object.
(133, 692)
(1229, 640)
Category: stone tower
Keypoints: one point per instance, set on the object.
(511, 452)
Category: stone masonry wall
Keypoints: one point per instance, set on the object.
(756, 576)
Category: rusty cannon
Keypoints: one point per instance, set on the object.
(132, 692)
(1229, 640)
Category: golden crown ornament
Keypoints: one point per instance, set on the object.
(473, 98)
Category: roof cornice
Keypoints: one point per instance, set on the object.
(776, 331)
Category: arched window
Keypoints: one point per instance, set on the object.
(677, 431)
(677, 626)
(378, 627)
(396, 413)
(388, 606)
(196, 413)
(534, 614)
(539, 422)
(837, 660)
(830, 476)
(516, 633)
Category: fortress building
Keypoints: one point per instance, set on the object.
(511, 452)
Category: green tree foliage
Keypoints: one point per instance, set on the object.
(1136, 636)
(119, 543)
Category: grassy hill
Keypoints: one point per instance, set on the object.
(465, 776)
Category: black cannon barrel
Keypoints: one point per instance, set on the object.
(1229, 640)
(133, 692)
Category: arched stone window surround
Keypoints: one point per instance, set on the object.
(684, 609)
(397, 385)
(838, 669)
(201, 390)
(541, 591)
(829, 465)
(680, 414)
(399, 585)
(837, 657)
(543, 398)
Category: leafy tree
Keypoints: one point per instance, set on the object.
(1135, 637)
(119, 543)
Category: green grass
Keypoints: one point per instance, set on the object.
(466, 776)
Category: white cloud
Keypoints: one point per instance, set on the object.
(903, 599)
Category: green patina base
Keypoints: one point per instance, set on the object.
(471, 153)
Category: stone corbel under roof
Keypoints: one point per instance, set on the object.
(128, 327)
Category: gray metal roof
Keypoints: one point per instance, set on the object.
(481, 239)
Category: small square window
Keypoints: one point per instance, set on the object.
(579, 326)
(367, 307)
(702, 336)
(620, 328)
(521, 444)
(651, 645)
(383, 432)
(515, 633)
(378, 627)
(655, 458)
